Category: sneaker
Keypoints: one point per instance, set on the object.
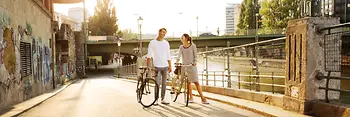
(206, 102)
(190, 101)
(164, 102)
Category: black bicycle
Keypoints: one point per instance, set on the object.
(145, 87)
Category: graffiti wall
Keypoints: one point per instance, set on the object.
(14, 86)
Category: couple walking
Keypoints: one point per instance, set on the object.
(159, 52)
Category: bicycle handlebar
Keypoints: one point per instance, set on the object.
(183, 65)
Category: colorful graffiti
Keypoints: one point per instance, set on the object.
(9, 56)
(10, 60)
(45, 64)
(27, 88)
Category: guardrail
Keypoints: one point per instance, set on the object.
(215, 77)
(127, 70)
(320, 76)
(261, 56)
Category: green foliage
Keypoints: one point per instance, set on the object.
(104, 21)
(277, 13)
(247, 18)
(127, 34)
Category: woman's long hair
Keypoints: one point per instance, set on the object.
(189, 38)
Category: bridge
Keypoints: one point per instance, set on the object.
(128, 46)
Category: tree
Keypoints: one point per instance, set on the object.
(104, 21)
(277, 13)
(247, 19)
(127, 34)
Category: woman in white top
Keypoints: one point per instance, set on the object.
(188, 52)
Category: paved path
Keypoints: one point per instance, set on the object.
(101, 96)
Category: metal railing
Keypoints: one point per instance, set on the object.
(337, 38)
(320, 76)
(242, 81)
(126, 71)
(240, 68)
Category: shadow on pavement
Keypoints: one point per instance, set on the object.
(5, 110)
(182, 111)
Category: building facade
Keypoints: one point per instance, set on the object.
(26, 56)
(77, 14)
(63, 19)
(231, 18)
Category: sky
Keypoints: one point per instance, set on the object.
(178, 16)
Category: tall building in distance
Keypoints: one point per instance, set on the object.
(77, 14)
(61, 18)
(232, 15)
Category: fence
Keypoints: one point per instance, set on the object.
(126, 71)
(255, 66)
(337, 40)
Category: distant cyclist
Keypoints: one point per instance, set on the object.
(159, 51)
(188, 52)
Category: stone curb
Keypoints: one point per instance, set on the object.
(218, 100)
(38, 103)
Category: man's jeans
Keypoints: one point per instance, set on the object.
(161, 77)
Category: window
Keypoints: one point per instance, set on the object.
(26, 58)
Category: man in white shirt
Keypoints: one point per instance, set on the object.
(159, 51)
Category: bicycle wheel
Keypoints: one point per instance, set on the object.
(138, 87)
(149, 92)
(186, 91)
(176, 85)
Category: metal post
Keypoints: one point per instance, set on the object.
(119, 55)
(214, 79)
(250, 81)
(273, 82)
(197, 29)
(228, 65)
(140, 42)
(239, 80)
(206, 65)
(256, 54)
(346, 8)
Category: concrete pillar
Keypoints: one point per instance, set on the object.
(305, 57)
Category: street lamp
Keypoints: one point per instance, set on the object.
(85, 38)
(119, 44)
(140, 21)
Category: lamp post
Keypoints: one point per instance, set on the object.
(119, 44)
(140, 21)
(85, 38)
(257, 50)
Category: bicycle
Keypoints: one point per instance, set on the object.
(178, 82)
(143, 88)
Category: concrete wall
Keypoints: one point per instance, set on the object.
(16, 16)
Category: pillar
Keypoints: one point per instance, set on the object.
(305, 57)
